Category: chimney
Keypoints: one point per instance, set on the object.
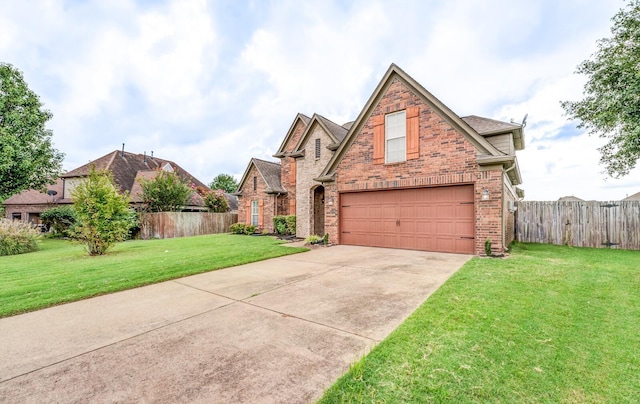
(122, 154)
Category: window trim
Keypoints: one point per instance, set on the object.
(255, 212)
(387, 139)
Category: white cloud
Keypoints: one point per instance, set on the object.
(210, 85)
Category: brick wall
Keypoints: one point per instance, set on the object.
(308, 168)
(248, 194)
(288, 182)
(446, 157)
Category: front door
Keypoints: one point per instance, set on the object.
(318, 211)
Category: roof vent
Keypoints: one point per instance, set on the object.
(122, 154)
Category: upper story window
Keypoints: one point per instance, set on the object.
(395, 137)
(255, 183)
(317, 148)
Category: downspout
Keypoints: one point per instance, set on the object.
(513, 165)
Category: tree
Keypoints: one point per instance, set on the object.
(215, 200)
(611, 104)
(167, 192)
(103, 214)
(225, 182)
(27, 157)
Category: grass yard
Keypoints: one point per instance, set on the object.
(63, 272)
(551, 324)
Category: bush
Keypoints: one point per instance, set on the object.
(487, 247)
(237, 228)
(17, 237)
(167, 192)
(60, 220)
(241, 228)
(215, 200)
(285, 225)
(313, 239)
(104, 216)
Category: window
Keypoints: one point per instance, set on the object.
(255, 183)
(317, 148)
(255, 212)
(395, 137)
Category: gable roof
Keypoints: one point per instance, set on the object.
(570, 198)
(125, 167)
(336, 132)
(270, 173)
(634, 197)
(35, 197)
(299, 117)
(483, 146)
(490, 127)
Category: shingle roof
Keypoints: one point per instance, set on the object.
(570, 199)
(486, 125)
(35, 197)
(634, 197)
(299, 117)
(125, 167)
(339, 132)
(271, 174)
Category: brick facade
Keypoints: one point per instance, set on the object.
(288, 178)
(446, 157)
(308, 168)
(269, 205)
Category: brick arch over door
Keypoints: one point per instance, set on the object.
(431, 219)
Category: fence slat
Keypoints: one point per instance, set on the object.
(613, 224)
(184, 224)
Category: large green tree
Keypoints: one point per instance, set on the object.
(166, 192)
(27, 157)
(103, 215)
(611, 104)
(225, 182)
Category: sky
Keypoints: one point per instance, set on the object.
(210, 84)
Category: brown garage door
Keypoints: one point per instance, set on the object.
(429, 219)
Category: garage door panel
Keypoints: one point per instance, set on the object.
(431, 219)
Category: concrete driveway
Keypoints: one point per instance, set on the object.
(281, 330)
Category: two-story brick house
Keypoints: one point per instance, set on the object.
(407, 173)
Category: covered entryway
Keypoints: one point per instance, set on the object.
(429, 219)
(318, 211)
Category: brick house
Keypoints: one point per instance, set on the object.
(127, 169)
(407, 173)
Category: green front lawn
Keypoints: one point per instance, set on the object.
(550, 324)
(63, 272)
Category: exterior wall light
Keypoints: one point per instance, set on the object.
(485, 194)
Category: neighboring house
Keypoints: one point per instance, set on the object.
(570, 199)
(407, 173)
(634, 197)
(127, 169)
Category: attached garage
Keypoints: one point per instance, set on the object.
(430, 219)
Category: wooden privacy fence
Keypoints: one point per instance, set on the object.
(184, 224)
(581, 224)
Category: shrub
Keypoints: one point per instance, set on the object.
(313, 239)
(60, 219)
(487, 247)
(249, 230)
(285, 225)
(280, 224)
(104, 216)
(17, 237)
(325, 239)
(215, 200)
(291, 224)
(167, 192)
(237, 228)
